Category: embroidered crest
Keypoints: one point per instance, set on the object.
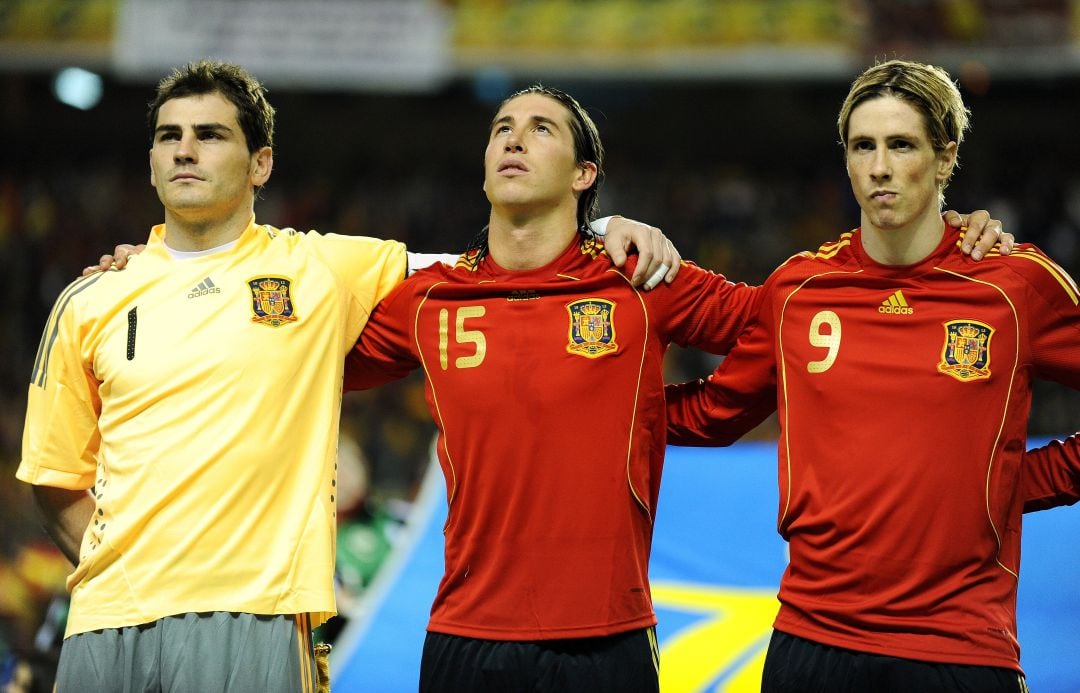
(592, 330)
(270, 301)
(966, 353)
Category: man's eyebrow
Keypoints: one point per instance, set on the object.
(545, 120)
(201, 127)
(533, 119)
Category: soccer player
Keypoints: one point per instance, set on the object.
(903, 520)
(544, 376)
(183, 417)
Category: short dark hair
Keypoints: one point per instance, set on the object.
(587, 146)
(253, 111)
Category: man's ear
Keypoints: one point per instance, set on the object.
(262, 163)
(586, 177)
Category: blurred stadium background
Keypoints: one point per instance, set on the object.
(718, 118)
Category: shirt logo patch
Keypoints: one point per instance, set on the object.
(270, 301)
(966, 352)
(204, 288)
(895, 305)
(592, 327)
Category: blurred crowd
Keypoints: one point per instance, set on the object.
(739, 177)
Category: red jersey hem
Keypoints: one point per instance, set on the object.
(938, 655)
(519, 634)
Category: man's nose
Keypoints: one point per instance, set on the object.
(880, 168)
(185, 150)
(513, 144)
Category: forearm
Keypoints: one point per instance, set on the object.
(697, 418)
(65, 515)
(1050, 476)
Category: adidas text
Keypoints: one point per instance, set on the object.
(203, 292)
(896, 310)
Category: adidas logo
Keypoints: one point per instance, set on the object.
(206, 286)
(895, 305)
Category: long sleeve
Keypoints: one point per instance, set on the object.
(383, 352)
(736, 397)
(1050, 475)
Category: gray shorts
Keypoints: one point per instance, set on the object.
(204, 652)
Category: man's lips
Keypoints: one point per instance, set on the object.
(512, 166)
(184, 176)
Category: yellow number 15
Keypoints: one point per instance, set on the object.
(461, 336)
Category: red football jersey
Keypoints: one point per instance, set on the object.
(547, 389)
(903, 397)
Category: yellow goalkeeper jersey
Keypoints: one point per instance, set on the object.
(200, 399)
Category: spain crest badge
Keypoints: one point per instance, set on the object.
(592, 327)
(966, 352)
(270, 301)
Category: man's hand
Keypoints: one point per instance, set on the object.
(981, 233)
(658, 259)
(118, 259)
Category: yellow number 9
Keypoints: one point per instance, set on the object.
(829, 340)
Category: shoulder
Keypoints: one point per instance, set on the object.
(1034, 268)
(315, 239)
(348, 256)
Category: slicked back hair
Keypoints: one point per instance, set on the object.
(587, 147)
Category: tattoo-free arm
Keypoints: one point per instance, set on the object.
(65, 514)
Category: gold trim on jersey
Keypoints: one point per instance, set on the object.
(451, 478)
(784, 427)
(592, 247)
(637, 392)
(1061, 276)
(830, 249)
(1004, 409)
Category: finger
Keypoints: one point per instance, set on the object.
(121, 255)
(651, 252)
(674, 261)
(989, 237)
(955, 219)
(975, 225)
(1007, 243)
(90, 269)
(657, 276)
(617, 253)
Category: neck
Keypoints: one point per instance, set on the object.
(528, 241)
(902, 246)
(190, 232)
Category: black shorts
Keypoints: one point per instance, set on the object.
(624, 662)
(798, 665)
